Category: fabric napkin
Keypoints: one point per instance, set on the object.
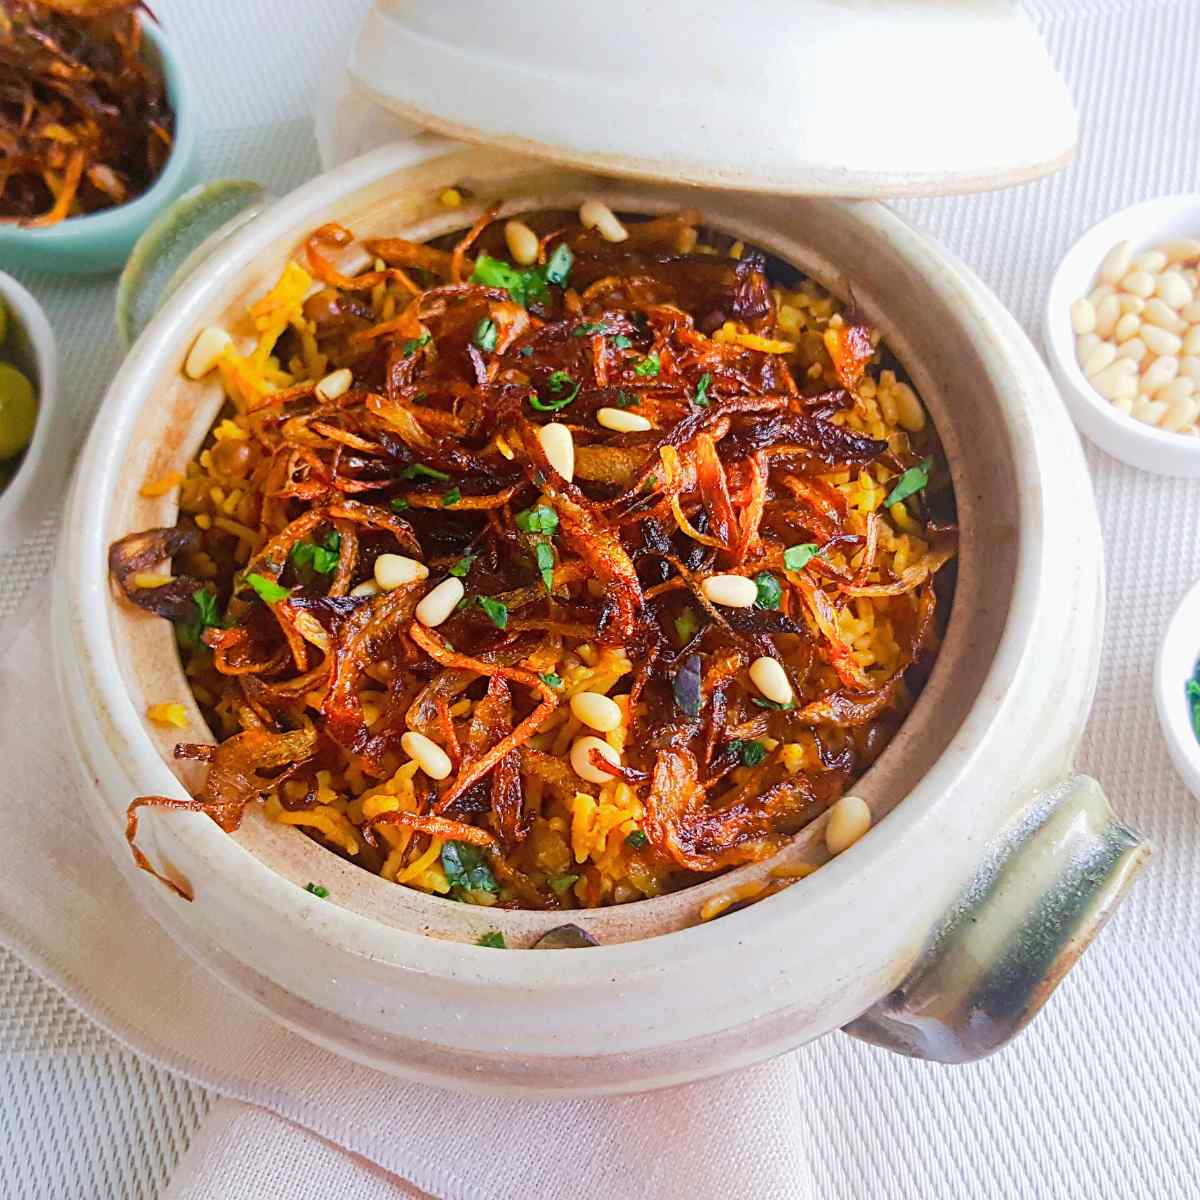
(300, 1122)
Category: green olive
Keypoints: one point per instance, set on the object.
(18, 411)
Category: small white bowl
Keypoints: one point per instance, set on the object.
(1146, 225)
(36, 488)
(1178, 654)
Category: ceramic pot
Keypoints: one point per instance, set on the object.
(939, 933)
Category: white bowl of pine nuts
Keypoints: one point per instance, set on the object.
(1122, 334)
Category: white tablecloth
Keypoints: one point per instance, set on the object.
(1100, 1096)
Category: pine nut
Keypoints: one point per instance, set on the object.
(427, 754)
(581, 760)
(733, 591)
(1191, 312)
(594, 214)
(1181, 410)
(522, 242)
(620, 421)
(771, 680)
(1181, 385)
(1134, 350)
(1083, 316)
(1181, 250)
(1127, 327)
(335, 384)
(1108, 312)
(1152, 261)
(395, 570)
(206, 350)
(559, 448)
(1116, 262)
(596, 711)
(909, 412)
(1159, 373)
(1099, 292)
(1189, 365)
(1109, 382)
(849, 819)
(1191, 340)
(1130, 304)
(1138, 283)
(1085, 343)
(1172, 290)
(1124, 405)
(1103, 356)
(1127, 386)
(368, 587)
(1149, 412)
(1157, 313)
(1160, 341)
(437, 604)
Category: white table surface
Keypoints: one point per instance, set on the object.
(1100, 1097)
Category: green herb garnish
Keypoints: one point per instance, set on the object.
(460, 568)
(321, 558)
(772, 704)
(187, 633)
(637, 839)
(206, 602)
(269, 592)
(451, 498)
(485, 334)
(701, 397)
(649, 366)
(539, 519)
(560, 883)
(493, 938)
(415, 344)
(497, 610)
(526, 352)
(911, 482)
(588, 329)
(551, 680)
(321, 893)
(624, 399)
(421, 471)
(544, 553)
(686, 625)
(522, 286)
(466, 869)
(770, 593)
(796, 558)
(558, 266)
(751, 753)
(622, 342)
(399, 504)
(556, 382)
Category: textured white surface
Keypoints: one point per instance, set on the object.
(1099, 1098)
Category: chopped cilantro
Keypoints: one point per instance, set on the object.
(466, 869)
(770, 594)
(522, 286)
(624, 399)
(496, 609)
(649, 366)
(415, 344)
(796, 558)
(540, 519)
(323, 559)
(772, 704)
(399, 504)
(545, 562)
(556, 382)
(317, 890)
(451, 498)
(551, 680)
(560, 883)
(637, 839)
(751, 753)
(206, 602)
(485, 334)
(588, 329)
(701, 397)
(686, 625)
(421, 471)
(493, 938)
(911, 482)
(460, 568)
(269, 592)
(558, 266)
(622, 342)
(526, 352)
(188, 633)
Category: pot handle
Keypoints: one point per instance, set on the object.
(1047, 886)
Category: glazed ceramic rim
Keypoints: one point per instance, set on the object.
(143, 209)
(354, 933)
(1178, 654)
(39, 477)
(1125, 438)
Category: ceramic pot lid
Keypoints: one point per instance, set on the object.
(834, 97)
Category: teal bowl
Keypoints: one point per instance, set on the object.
(101, 242)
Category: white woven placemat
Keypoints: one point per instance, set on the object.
(1099, 1098)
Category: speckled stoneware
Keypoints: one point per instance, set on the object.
(101, 241)
(970, 800)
